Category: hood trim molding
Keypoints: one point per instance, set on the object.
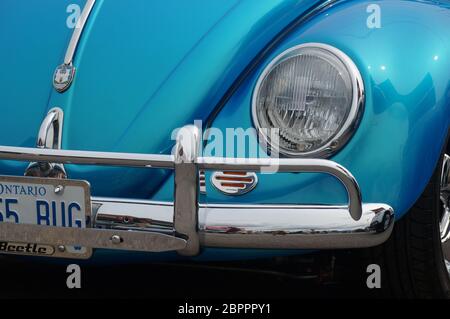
(78, 31)
(65, 73)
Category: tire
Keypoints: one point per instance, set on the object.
(412, 260)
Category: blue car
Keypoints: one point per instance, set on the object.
(228, 130)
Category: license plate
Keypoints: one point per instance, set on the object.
(48, 202)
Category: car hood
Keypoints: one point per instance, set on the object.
(143, 68)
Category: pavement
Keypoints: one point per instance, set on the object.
(256, 279)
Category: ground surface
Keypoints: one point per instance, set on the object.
(31, 280)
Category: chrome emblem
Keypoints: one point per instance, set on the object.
(63, 77)
(234, 183)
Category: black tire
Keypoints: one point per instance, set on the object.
(411, 261)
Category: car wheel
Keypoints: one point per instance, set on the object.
(414, 262)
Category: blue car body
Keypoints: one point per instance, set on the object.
(147, 67)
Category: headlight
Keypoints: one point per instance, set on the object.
(313, 93)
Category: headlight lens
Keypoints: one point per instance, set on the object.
(313, 93)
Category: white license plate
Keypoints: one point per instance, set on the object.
(48, 202)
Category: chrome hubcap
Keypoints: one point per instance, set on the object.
(444, 224)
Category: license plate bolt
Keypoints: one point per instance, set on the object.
(116, 239)
(59, 190)
(61, 248)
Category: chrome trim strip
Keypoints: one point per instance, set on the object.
(86, 158)
(302, 227)
(353, 118)
(204, 163)
(237, 226)
(291, 165)
(78, 31)
(258, 226)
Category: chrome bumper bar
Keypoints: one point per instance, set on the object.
(185, 225)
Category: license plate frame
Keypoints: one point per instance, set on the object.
(68, 252)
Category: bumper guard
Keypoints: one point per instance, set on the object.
(185, 225)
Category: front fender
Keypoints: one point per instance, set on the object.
(405, 66)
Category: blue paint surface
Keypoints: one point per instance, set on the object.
(405, 67)
(147, 67)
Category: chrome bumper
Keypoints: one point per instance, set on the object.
(185, 225)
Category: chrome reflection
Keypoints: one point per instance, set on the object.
(49, 137)
(257, 226)
(192, 225)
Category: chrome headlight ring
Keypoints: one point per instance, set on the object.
(344, 69)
